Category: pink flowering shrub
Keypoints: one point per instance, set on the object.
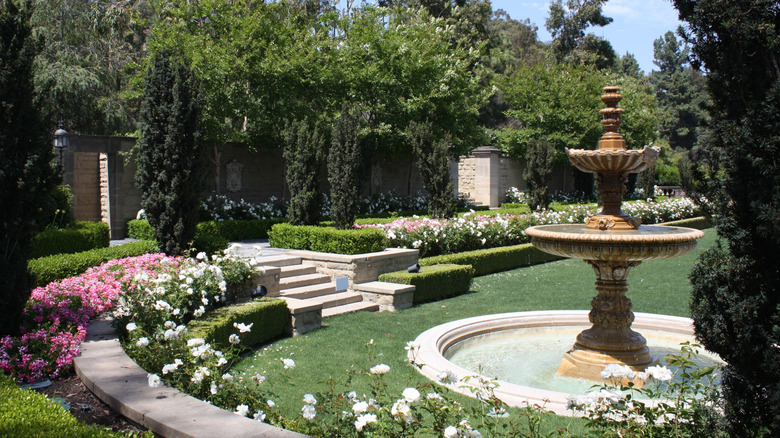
(56, 317)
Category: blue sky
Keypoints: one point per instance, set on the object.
(636, 23)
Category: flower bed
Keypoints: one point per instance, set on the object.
(473, 231)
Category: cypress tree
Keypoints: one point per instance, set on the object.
(433, 164)
(540, 159)
(168, 152)
(736, 285)
(28, 176)
(344, 160)
(303, 156)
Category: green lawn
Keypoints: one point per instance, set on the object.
(659, 286)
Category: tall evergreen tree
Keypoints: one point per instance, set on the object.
(303, 150)
(433, 163)
(344, 160)
(567, 24)
(540, 159)
(169, 172)
(680, 93)
(27, 174)
(736, 286)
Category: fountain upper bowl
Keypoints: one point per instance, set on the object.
(648, 242)
(613, 160)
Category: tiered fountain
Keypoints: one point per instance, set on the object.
(612, 242)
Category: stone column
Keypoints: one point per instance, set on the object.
(486, 176)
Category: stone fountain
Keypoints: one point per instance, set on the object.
(612, 242)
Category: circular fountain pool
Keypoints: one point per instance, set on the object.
(523, 350)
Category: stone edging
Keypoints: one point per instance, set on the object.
(114, 378)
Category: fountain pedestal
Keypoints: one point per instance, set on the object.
(612, 242)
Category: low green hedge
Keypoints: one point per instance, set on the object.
(56, 267)
(488, 261)
(700, 223)
(269, 318)
(81, 236)
(211, 236)
(327, 239)
(434, 282)
(26, 413)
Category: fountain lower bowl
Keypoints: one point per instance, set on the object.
(648, 242)
(435, 342)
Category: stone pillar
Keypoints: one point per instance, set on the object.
(486, 176)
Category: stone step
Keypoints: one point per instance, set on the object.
(278, 260)
(303, 280)
(336, 299)
(294, 270)
(350, 308)
(311, 291)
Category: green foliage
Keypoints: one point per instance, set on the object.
(140, 229)
(208, 238)
(24, 412)
(434, 282)
(90, 50)
(303, 152)
(344, 161)
(167, 152)
(56, 267)
(700, 223)
(432, 157)
(540, 159)
(82, 236)
(567, 25)
(680, 92)
(488, 261)
(269, 318)
(326, 239)
(736, 295)
(27, 173)
(60, 209)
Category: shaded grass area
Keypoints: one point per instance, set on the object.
(658, 286)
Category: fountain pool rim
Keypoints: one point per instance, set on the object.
(434, 343)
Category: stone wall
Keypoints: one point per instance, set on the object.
(86, 187)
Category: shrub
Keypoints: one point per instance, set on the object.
(303, 155)
(327, 239)
(82, 236)
(140, 229)
(540, 157)
(434, 282)
(24, 412)
(60, 211)
(344, 161)
(488, 261)
(432, 157)
(208, 238)
(269, 318)
(168, 152)
(56, 267)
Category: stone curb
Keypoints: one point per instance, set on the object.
(114, 378)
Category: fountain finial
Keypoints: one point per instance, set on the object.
(611, 119)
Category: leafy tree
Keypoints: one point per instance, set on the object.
(344, 161)
(27, 175)
(628, 65)
(680, 93)
(736, 292)
(540, 159)
(303, 149)
(83, 73)
(433, 163)
(567, 24)
(168, 152)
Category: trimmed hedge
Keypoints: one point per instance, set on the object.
(269, 317)
(56, 267)
(27, 413)
(226, 230)
(700, 223)
(488, 261)
(327, 239)
(434, 282)
(81, 236)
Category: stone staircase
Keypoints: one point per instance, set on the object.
(301, 286)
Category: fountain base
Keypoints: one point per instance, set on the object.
(585, 363)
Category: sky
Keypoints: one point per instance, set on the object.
(636, 24)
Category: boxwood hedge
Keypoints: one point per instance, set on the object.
(80, 236)
(434, 282)
(269, 318)
(327, 239)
